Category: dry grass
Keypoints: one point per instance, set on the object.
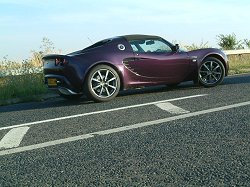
(239, 64)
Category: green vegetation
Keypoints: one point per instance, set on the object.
(21, 82)
(230, 42)
(247, 43)
(238, 63)
(22, 88)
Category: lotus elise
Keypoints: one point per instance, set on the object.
(101, 70)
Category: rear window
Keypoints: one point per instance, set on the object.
(98, 44)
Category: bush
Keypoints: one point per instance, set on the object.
(247, 43)
(229, 42)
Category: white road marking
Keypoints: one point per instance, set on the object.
(120, 129)
(13, 138)
(171, 108)
(99, 112)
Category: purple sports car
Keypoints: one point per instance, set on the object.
(103, 69)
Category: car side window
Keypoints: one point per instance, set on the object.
(150, 46)
(135, 49)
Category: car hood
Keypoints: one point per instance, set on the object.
(205, 51)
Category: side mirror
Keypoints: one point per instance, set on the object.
(176, 47)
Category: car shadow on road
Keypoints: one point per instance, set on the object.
(61, 102)
(237, 79)
(49, 103)
(157, 89)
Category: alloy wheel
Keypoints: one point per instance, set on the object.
(104, 83)
(211, 72)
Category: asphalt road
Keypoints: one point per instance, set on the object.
(187, 136)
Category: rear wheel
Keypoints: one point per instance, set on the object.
(211, 72)
(103, 83)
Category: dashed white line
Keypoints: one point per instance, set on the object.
(171, 108)
(13, 138)
(120, 129)
(99, 112)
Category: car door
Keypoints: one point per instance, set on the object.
(155, 59)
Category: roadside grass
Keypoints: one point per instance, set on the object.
(20, 82)
(239, 64)
(23, 82)
(22, 88)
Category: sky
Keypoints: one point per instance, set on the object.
(74, 25)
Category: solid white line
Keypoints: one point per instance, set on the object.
(99, 112)
(120, 129)
(171, 108)
(13, 138)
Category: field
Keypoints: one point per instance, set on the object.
(24, 82)
(239, 64)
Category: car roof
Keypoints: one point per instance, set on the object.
(140, 37)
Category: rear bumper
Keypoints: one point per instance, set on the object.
(62, 85)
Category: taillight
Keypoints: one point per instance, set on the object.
(57, 62)
(61, 61)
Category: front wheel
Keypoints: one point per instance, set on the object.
(211, 72)
(103, 83)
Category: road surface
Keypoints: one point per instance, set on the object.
(151, 137)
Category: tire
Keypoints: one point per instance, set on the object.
(211, 72)
(102, 83)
